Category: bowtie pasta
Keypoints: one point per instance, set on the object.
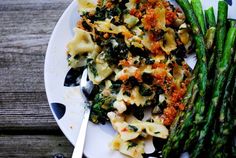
(134, 51)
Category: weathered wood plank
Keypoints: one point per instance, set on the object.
(34, 146)
(25, 111)
(25, 29)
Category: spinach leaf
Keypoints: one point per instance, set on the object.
(147, 78)
(144, 91)
(115, 50)
(115, 88)
(133, 128)
(132, 144)
(92, 68)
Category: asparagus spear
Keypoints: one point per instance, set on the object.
(210, 17)
(209, 37)
(220, 37)
(197, 8)
(202, 77)
(219, 138)
(233, 103)
(232, 23)
(222, 15)
(188, 96)
(188, 101)
(221, 28)
(222, 69)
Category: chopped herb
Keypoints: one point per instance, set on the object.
(137, 111)
(136, 62)
(86, 26)
(150, 120)
(157, 132)
(76, 56)
(92, 68)
(115, 50)
(149, 61)
(131, 144)
(115, 88)
(159, 90)
(147, 78)
(163, 105)
(132, 82)
(133, 128)
(127, 93)
(139, 52)
(100, 106)
(145, 91)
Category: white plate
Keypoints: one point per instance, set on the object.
(68, 99)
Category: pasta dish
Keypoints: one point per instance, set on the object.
(134, 51)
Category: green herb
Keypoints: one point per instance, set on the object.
(100, 106)
(133, 128)
(115, 50)
(115, 88)
(92, 68)
(127, 93)
(132, 82)
(86, 26)
(149, 61)
(147, 78)
(145, 91)
(131, 144)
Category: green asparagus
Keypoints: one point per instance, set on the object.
(209, 37)
(219, 137)
(210, 17)
(202, 78)
(197, 8)
(220, 37)
(221, 29)
(222, 69)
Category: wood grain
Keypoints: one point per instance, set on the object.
(29, 111)
(25, 29)
(34, 146)
(27, 127)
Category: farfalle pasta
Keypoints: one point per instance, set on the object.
(134, 51)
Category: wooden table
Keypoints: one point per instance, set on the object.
(27, 127)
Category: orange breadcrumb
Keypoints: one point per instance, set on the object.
(150, 19)
(138, 75)
(156, 48)
(170, 17)
(169, 115)
(124, 77)
(124, 63)
(158, 65)
(136, 13)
